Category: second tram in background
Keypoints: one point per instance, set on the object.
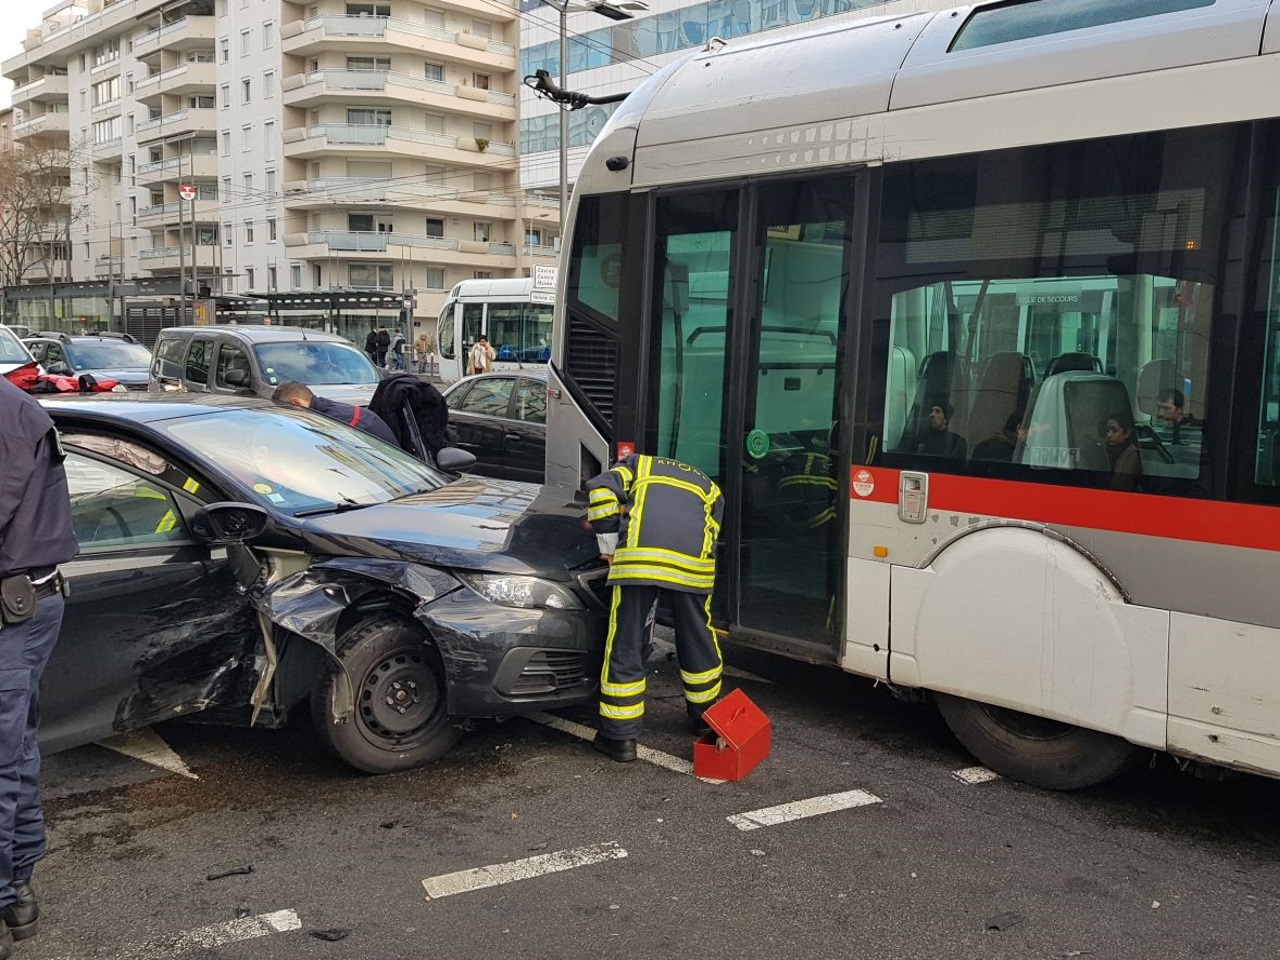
(513, 313)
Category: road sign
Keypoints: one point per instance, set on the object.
(187, 191)
(544, 277)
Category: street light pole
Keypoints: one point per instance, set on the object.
(564, 114)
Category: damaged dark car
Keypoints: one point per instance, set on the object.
(251, 560)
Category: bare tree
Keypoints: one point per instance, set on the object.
(38, 208)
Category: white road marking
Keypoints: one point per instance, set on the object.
(147, 746)
(648, 754)
(464, 881)
(975, 775)
(215, 935)
(798, 809)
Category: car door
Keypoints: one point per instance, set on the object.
(195, 371)
(481, 418)
(231, 360)
(526, 439)
(155, 626)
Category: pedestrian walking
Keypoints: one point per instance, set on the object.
(656, 521)
(397, 351)
(384, 344)
(421, 347)
(371, 344)
(36, 535)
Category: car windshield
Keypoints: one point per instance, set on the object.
(11, 348)
(290, 459)
(109, 355)
(314, 362)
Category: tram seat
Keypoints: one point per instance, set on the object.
(506, 352)
(1002, 388)
(942, 374)
(1068, 414)
(1073, 361)
(1155, 377)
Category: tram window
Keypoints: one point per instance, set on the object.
(595, 268)
(1025, 19)
(472, 323)
(1018, 326)
(1267, 467)
(445, 332)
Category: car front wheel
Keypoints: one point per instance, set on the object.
(400, 720)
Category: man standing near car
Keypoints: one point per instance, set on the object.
(656, 521)
(36, 535)
(297, 394)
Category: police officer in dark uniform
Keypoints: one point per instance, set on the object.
(657, 521)
(36, 534)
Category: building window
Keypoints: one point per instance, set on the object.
(483, 230)
(269, 41)
(249, 282)
(224, 49)
(271, 183)
(268, 84)
(271, 229)
(226, 189)
(228, 235)
(433, 18)
(371, 276)
(434, 123)
(105, 131)
(480, 81)
(244, 43)
(368, 10)
(435, 227)
(382, 64)
(106, 91)
(248, 232)
(484, 274)
(226, 142)
(269, 139)
(295, 276)
(248, 184)
(435, 71)
(226, 95)
(246, 134)
(435, 278)
(271, 279)
(368, 117)
(246, 90)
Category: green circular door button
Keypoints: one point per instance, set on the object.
(757, 443)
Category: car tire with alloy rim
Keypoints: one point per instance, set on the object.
(1041, 752)
(401, 719)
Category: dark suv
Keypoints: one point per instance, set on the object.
(244, 360)
(114, 356)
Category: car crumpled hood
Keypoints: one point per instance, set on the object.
(474, 523)
(356, 394)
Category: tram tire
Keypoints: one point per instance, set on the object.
(1043, 753)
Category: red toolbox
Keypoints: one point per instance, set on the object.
(740, 738)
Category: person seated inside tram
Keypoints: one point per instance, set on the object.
(936, 439)
(1170, 412)
(1001, 445)
(1123, 455)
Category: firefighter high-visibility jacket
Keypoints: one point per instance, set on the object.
(659, 519)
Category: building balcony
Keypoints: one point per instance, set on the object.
(166, 259)
(183, 80)
(47, 88)
(108, 266)
(358, 139)
(159, 214)
(195, 120)
(362, 245)
(384, 89)
(197, 166)
(338, 192)
(107, 150)
(378, 35)
(43, 125)
(189, 33)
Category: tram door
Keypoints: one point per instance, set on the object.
(743, 384)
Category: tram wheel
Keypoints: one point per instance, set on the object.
(1044, 753)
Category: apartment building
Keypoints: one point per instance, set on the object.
(332, 146)
(609, 56)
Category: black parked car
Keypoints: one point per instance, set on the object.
(502, 419)
(106, 356)
(244, 359)
(253, 558)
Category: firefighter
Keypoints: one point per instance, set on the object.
(656, 521)
(36, 534)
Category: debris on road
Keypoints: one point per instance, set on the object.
(332, 934)
(219, 874)
(1005, 921)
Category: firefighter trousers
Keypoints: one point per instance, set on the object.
(622, 679)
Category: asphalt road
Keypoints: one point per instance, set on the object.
(1158, 864)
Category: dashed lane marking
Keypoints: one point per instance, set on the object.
(799, 809)
(464, 881)
(975, 775)
(648, 754)
(215, 935)
(147, 746)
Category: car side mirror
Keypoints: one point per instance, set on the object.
(236, 378)
(229, 522)
(455, 460)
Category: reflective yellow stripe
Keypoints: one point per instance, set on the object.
(167, 522)
(622, 689)
(702, 696)
(660, 574)
(621, 713)
(693, 679)
(604, 512)
(613, 628)
(601, 493)
(660, 555)
(191, 485)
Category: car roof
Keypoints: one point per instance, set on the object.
(259, 334)
(145, 407)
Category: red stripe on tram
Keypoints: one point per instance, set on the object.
(1176, 518)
